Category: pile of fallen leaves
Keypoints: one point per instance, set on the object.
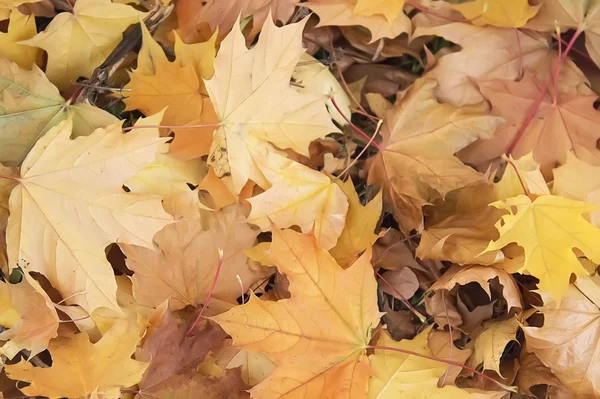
(330, 199)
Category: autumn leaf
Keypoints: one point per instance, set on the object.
(412, 176)
(359, 232)
(80, 181)
(178, 86)
(102, 368)
(21, 27)
(250, 114)
(548, 229)
(521, 176)
(504, 13)
(7, 183)
(410, 376)
(79, 42)
(354, 12)
(567, 123)
(31, 105)
(183, 263)
(492, 341)
(568, 340)
(316, 356)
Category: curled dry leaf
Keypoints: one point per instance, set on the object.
(533, 372)
(316, 356)
(491, 343)
(481, 275)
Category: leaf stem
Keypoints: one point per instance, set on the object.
(356, 128)
(212, 288)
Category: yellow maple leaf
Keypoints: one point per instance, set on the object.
(77, 43)
(351, 13)
(101, 368)
(318, 337)
(521, 176)
(408, 376)
(548, 229)
(36, 320)
(491, 342)
(31, 105)
(21, 27)
(299, 196)
(178, 86)
(69, 205)
(359, 231)
(6, 6)
(182, 266)
(254, 101)
(503, 13)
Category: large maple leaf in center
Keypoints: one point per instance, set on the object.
(255, 103)
(318, 337)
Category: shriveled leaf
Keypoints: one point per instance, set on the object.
(69, 205)
(316, 356)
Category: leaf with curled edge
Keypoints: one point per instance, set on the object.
(318, 337)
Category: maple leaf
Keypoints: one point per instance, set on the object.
(567, 123)
(7, 5)
(417, 158)
(491, 342)
(533, 372)
(521, 176)
(315, 356)
(254, 367)
(299, 196)
(7, 183)
(69, 205)
(36, 320)
(31, 105)
(481, 275)
(568, 340)
(198, 21)
(359, 231)
(178, 86)
(410, 376)
(504, 13)
(254, 101)
(182, 265)
(174, 355)
(548, 229)
(344, 13)
(506, 54)
(77, 43)
(21, 27)
(102, 368)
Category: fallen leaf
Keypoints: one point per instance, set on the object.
(77, 43)
(407, 375)
(358, 233)
(578, 180)
(36, 320)
(463, 275)
(69, 205)
(473, 319)
(299, 196)
(399, 324)
(506, 54)
(548, 229)
(182, 265)
(251, 115)
(21, 27)
(173, 356)
(403, 281)
(491, 343)
(254, 367)
(442, 346)
(31, 105)
(7, 183)
(343, 13)
(533, 372)
(503, 13)
(7, 5)
(316, 356)
(198, 21)
(391, 252)
(521, 176)
(442, 308)
(388, 8)
(102, 368)
(569, 123)
(568, 341)
(178, 86)
(417, 156)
